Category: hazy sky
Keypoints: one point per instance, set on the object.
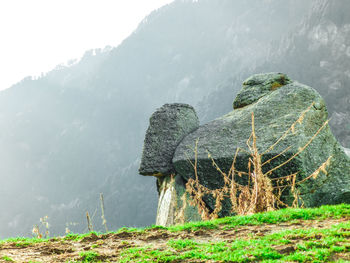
(37, 35)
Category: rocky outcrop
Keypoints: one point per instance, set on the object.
(276, 108)
(259, 86)
(277, 103)
(168, 126)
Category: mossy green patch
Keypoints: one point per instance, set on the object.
(89, 256)
(276, 85)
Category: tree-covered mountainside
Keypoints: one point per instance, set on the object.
(315, 52)
(318, 53)
(78, 130)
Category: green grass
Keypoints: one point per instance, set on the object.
(273, 217)
(310, 245)
(307, 245)
(89, 256)
(78, 237)
(22, 242)
(7, 259)
(316, 245)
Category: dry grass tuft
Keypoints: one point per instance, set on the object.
(89, 224)
(261, 192)
(104, 221)
(44, 225)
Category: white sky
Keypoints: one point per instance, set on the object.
(37, 35)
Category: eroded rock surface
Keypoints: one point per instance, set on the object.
(173, 205)
(168, 126)
(275, 110)
(258, 86)
(277, 103)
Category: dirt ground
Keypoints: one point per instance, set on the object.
(109, 246)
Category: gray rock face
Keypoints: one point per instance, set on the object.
(277, 103)
(168, 126)
(258, 86)
(275, 111)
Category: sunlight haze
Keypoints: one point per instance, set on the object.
(37, 35)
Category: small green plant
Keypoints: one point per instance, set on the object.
(78, 237)
(7, 259)
(89, 256)
(181, 244)
(24, 244)
(72, 236)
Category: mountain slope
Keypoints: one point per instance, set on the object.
(315, 52)
(78, 130)
(321, 49)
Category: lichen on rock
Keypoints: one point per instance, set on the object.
(258, 86)
(277, 102)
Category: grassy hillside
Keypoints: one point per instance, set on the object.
(82, 126)
(288, 235)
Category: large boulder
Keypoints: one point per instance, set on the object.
(258, 86)
(277, 103)
(274, 112)
(168, 126)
